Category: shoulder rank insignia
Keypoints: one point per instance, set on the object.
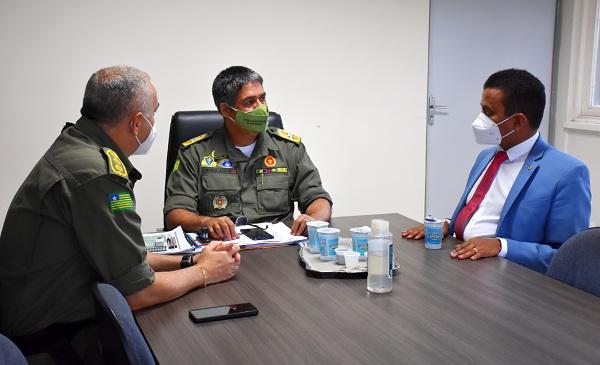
(287, 135)
(115, 165)
(190, 142)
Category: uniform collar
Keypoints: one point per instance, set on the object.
(96, 134)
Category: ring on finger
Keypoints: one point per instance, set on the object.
(475, 249)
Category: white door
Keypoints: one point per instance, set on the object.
(468, 41)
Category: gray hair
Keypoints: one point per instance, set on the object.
(228, 83)
(115, 92)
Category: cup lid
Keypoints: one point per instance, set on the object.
(317, 224)
(328, 230)
(363, 229)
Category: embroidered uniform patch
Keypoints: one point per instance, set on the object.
(219, 202)
(120, 202)
(270, 161)
(115, 165)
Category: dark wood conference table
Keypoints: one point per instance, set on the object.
(440, 310)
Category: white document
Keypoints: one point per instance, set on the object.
(280, 232)
(170, 242)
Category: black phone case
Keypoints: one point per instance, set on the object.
(248, 313)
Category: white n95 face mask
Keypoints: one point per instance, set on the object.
(144, 147)
(486, 131)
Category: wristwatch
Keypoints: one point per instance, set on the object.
(187, 260)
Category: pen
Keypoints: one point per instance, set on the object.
(191, 240)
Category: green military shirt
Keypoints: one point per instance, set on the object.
(72, 223)
(213, 178)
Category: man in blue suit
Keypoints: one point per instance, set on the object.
(523, 197)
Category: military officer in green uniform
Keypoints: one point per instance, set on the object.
(243, 169)
(73, 222)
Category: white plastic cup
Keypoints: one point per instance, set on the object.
(360, 240)
(433, 232)
(351, 259)
(313, 235)
(328, 241)
(340, 255)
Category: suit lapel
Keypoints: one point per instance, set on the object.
(531, 164)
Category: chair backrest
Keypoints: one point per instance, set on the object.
(577, 261)
(189, 124)
(10, 353)
(120, 337)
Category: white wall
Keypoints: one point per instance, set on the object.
(573, 133)
(348, 76)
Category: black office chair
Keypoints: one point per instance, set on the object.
(577, 262)
(10, 353)
(187, 125)
(120, 337)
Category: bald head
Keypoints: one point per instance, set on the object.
(114, 93)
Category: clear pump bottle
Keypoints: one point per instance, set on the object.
(380, 260)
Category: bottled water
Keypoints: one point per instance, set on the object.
(380, 261)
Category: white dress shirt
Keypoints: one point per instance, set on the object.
(247, 150)
(484, 221)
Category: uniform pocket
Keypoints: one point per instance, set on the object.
(273, 193)
(221, 194)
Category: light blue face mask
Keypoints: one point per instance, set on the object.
(144, 147)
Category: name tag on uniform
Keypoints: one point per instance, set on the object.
(219, 170)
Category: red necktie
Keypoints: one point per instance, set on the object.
(484, 185)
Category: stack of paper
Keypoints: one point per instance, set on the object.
(170, 242)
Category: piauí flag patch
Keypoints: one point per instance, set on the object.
(120, 202)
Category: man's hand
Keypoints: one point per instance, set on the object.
(220, 261)
(220, 228)
(477, 248)
(299, 225)
(418, 232)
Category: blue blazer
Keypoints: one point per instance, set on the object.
(549, 202)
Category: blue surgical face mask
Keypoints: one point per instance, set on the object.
(487, 132)
(144, 147)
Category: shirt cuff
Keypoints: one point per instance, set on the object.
(180, 202)
(137, 278)
(504, 248)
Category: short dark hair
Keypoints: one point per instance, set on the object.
(228, 83)
(523, 93)
(114, 92)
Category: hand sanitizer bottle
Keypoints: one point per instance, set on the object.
(380, 261)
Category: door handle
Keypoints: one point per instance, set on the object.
(436, 107)
(432, 108)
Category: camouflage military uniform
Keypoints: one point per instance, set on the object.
(213, 178)
(72, 223)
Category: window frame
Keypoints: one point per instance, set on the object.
(583, 114)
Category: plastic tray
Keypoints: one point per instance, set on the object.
(316, 268)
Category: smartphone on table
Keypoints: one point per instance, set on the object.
(223, 312)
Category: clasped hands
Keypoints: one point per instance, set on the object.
(474, 249)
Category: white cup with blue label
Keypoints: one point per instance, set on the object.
(313, 236)
(433, 232)
(328, 240)
(360, 241)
